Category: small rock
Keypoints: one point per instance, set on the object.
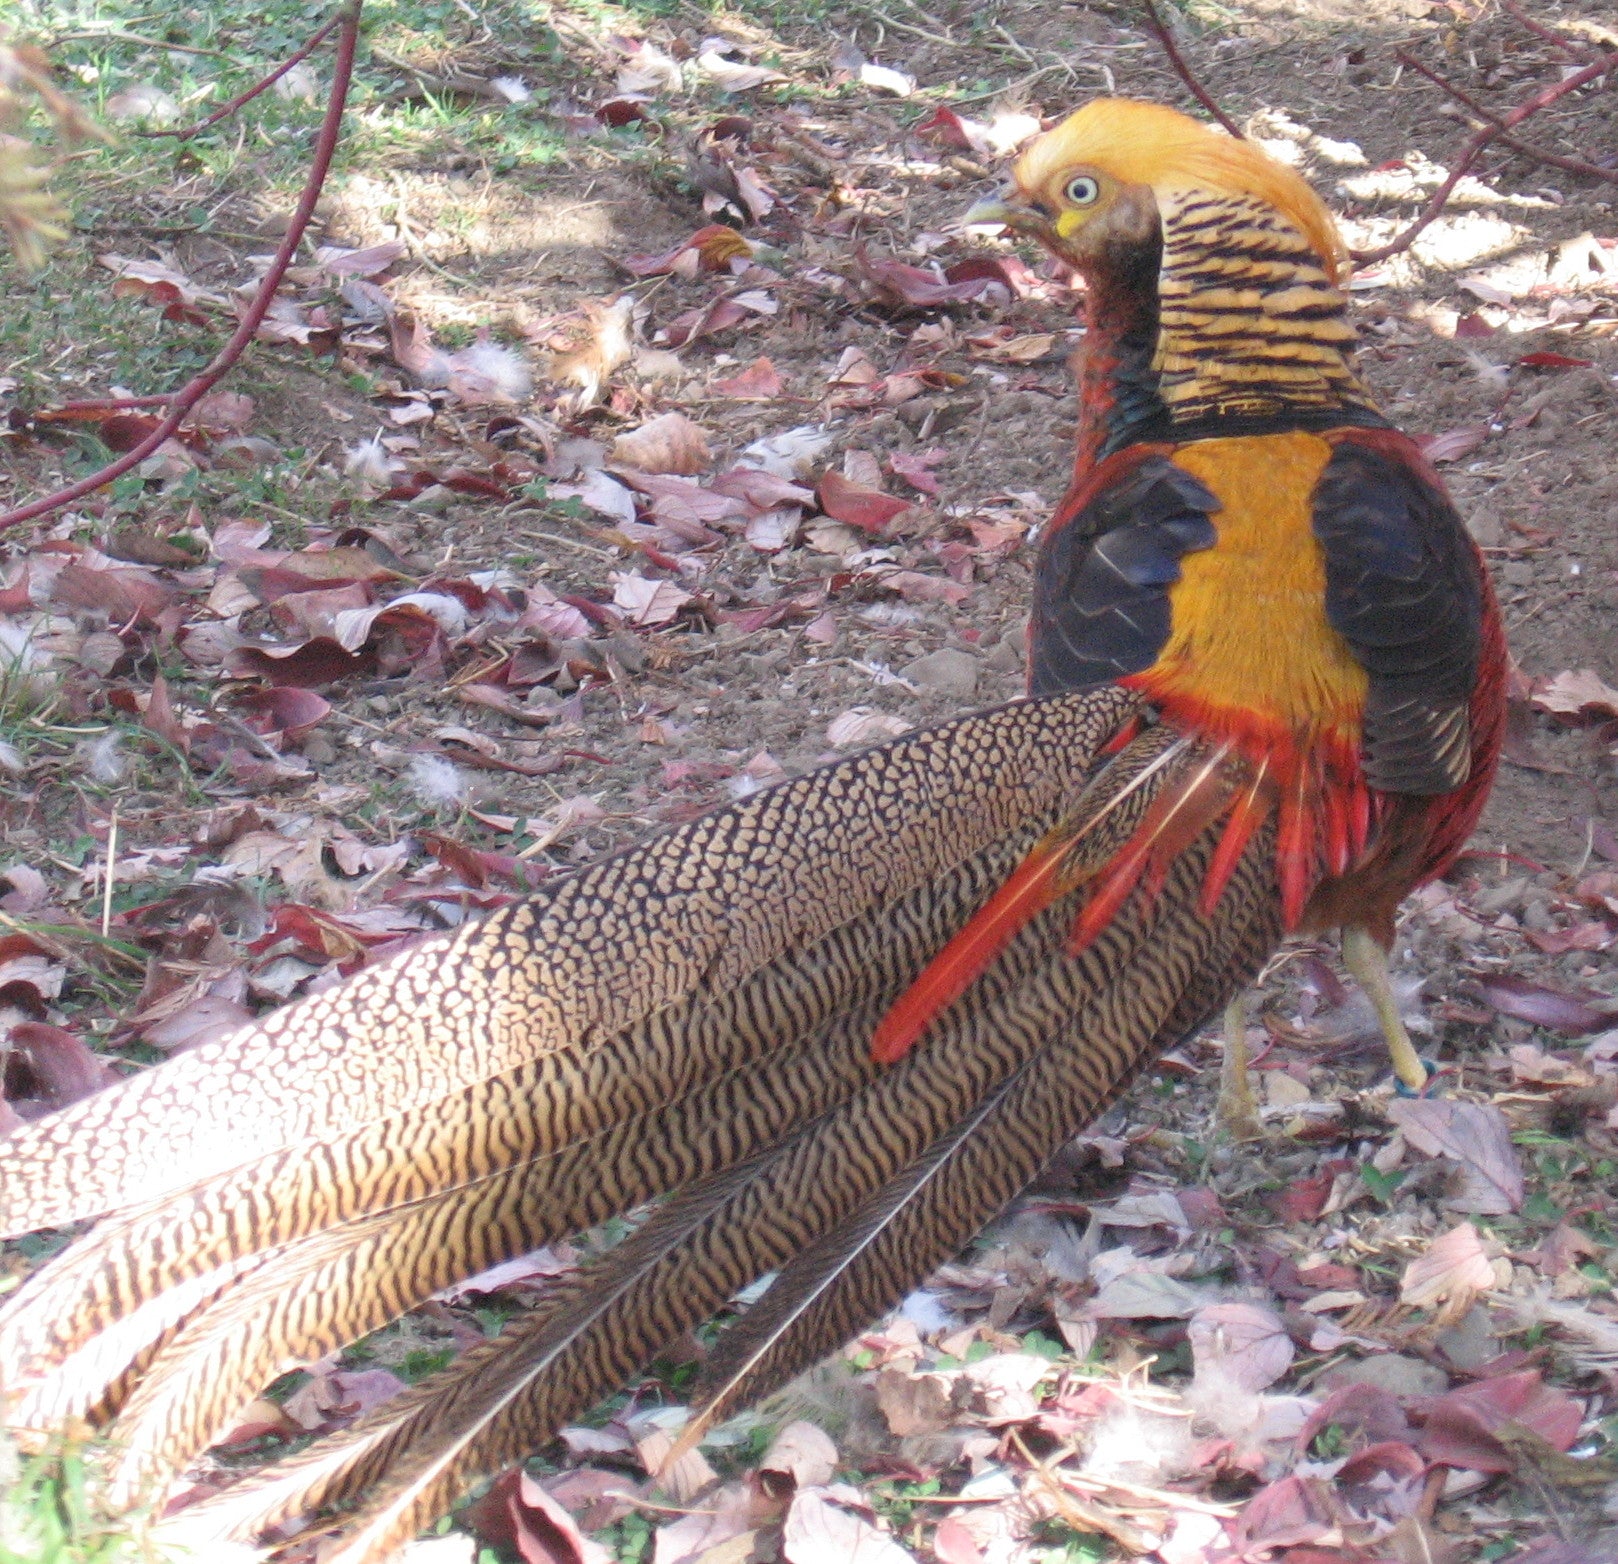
(1507, 896)
(1487, 530)
(319, 750)
(1470, 1342)
(1517, 573)
(1005, 657)
(1393, 1372)
(628, 650)
(946, 671)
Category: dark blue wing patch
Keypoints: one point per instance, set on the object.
(1404, 589)
(1101, 601)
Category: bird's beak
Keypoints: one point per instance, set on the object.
(1010, 209)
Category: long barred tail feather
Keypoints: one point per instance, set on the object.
(693, 1019)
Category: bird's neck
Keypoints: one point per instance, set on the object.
(1225, 323)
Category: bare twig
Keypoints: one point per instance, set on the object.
(1160, 31)
(195, 389)
(1539, 154)
(1540, 30)
(1473, 149)
(243, 98)
(116, 35)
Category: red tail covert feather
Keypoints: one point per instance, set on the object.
(1032, 886)
(1178, 816)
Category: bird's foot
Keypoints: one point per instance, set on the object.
(1236, 1119)
(1403, 1088)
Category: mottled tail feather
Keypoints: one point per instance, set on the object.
(694, 1019)
(693, 912)
(1043, 1054)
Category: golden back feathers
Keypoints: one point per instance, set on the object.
(1168, 152)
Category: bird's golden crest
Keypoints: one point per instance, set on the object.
(1119, 143)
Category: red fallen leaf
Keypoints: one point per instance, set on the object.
(868, 509)
(918, 289)
(1453, 444)
(1473, 325)
(947, 127)
(48, 1067)
(915, 587)
(1599, 890)
(285, 709)
(952, 1542)
(618, 112)
(1328, 1276)
(1549, 1007)
(1010, 271)
(1392, 1459)
(747, 620)
(713, 248)
(320, 660)
(760, 489)
(759, 382)
(1293, 1510)
(1582, 936)
(1201, 1207)
(1476, 1137)
(519, 1515)
(1544, 360)
(1366, 1414)
(122, 595)
(477, 485)
(507, 705)
(476, 866)
(917, 470)
(203, 1020)
(316, 934)
(1574, 692)
(596, 613)
(124, 431)
(1304, 1199)
(257, 1419)
(991, 269)
(159, 716)
(338, 1397)
(1602, 836)
(1459, 1430)
(718, 316)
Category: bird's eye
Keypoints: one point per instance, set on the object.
(1083, 190)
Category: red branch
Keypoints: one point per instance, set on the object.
(1540, 30)
(1573, 165)
(187, 397)
(252, 92)
(1473, 149)
(1159, 30)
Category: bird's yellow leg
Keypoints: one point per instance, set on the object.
(1236, 1114)
(1368, 963)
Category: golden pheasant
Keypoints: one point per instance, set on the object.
(834, 1028)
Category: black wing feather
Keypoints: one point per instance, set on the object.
(1101, 599)
(1404, 589)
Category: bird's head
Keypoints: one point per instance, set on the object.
(1099, 180)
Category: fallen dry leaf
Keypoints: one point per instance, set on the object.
(1240, 1344)
(671, 442)
(647, 603)
(802, 1452)
(1455, 1267)
(819, 1530)
(861, 725)
(1474, 1136)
